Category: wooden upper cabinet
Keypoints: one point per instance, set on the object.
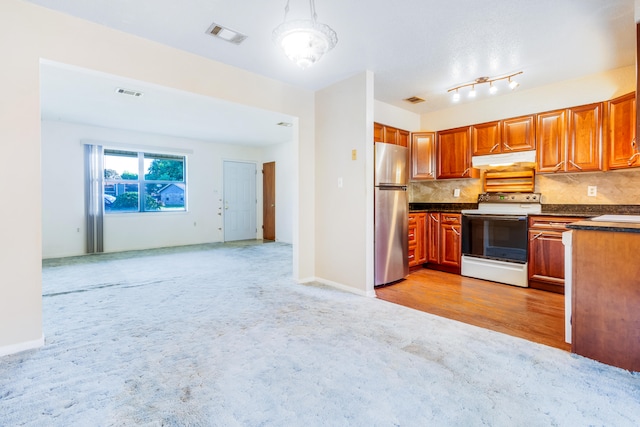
(518, 134)
(378, 132)
(551, 137)
(454, 154)
(423, 155)
(515, 134)
(570, 140)
(390, 135)
(584, 142)
(403, 138)
(622, 148)
(486, 138)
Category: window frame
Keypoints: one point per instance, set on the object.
(142, 182)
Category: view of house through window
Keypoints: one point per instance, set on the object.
(143, 182)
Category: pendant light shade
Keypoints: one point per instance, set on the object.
(304, 41)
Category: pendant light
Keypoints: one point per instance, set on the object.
(304, 41)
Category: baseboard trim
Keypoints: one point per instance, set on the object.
(340, 286)
(23, 346)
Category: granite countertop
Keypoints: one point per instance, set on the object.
(614, 223)
(589, 211)
(441, 207)
(585, 211)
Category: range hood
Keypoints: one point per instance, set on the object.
(516, 158)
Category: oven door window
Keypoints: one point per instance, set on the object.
(500, 237)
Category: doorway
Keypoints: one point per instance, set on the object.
(239, 198)
(269, 201)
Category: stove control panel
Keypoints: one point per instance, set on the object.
(509, 198)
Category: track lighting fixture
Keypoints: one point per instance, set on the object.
(480, 80)
(456, 96)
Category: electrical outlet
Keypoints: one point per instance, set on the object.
(592, 191)
(456, 192)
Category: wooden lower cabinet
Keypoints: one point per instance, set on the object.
(546, 252)
(444, 245)
(417, 239)
(605, 297)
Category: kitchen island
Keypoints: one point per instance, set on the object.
(606, 290)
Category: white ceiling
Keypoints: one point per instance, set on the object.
(86, 97)
(414, 47)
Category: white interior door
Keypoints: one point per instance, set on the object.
(240, 202)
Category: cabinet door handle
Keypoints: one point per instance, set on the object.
(536, 236)
(556, 167)
(632, 159)
(574, 165)
(455, 231)
(507, 146)
(494, 147)
(465, 171)
(434, 218)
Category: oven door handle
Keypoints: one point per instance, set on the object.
(498, 217)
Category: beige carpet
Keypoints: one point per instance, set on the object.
(220, 335)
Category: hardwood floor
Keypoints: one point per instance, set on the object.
(531, 314)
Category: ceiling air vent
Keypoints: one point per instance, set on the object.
(129, 92)
(226, 34)
(414, 100)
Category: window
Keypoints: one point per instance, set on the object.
(156, 179)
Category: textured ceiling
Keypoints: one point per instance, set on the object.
(414, 47)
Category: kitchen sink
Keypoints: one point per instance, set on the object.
(617, 218)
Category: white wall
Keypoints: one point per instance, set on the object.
(30, 33)
(344, 214)
(63, 228)
(391, 115)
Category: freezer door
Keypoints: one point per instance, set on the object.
(391, 235)
(391, 164)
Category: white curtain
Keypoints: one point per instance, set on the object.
(93, 198)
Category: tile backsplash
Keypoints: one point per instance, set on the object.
(613, 187)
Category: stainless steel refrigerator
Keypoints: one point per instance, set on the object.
(391, 213)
